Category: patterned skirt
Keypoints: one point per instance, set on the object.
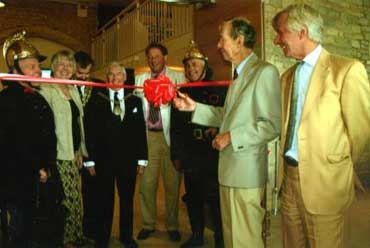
(71, 181)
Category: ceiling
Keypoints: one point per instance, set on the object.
(120, 3)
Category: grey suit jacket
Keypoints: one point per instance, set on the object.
(252, 115)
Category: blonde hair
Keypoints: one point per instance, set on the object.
(63, 54)
(302, 16)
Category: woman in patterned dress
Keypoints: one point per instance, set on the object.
(68, 112)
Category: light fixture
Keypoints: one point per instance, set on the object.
(2, 4)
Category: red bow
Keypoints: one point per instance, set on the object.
(159, 90)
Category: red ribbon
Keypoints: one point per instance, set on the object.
(157, 91)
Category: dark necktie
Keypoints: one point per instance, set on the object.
(153, 110)
(235, 74)
(293, 108)
(80, 91)
(116, 105)
(153, 114)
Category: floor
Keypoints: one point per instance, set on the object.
(359, 226)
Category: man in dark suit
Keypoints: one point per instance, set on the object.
(27, 148)
(117, 143)
(84, 65)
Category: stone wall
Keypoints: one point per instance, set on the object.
(347, 29)
(347, 32)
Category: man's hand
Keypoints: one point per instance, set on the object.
(184, 102)
(177, 164)
(43, 175)
(211, 132)
(221, 141)
(91, 171)
(140, 169)
(79, 160)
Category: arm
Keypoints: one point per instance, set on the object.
(142, 143)
(355, 101)
(267, 123)
(95, 127)
(178, 125)
(178, 134)
(208, 115)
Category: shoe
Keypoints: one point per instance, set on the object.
(174, 235)
(70, 245)
(195, 240)
(130, 243)
(144, 234)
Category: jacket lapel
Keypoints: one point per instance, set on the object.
(238, 85)
(317, 83)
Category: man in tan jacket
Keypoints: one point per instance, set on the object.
(325, 127)
(249, 119)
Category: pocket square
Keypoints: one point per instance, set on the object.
(134, 110)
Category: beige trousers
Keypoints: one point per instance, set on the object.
(302, 229)
(159, 162)
(242, 217)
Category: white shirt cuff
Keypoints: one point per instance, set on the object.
(142, 162)
(88, 164)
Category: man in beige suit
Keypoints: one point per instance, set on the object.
(249, 119)
(326, 117)
(158, 126)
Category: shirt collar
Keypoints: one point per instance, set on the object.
(240, 67)
(163, 72)
(120, 94)
(313, 56)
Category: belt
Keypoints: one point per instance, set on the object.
(291, 161)
(155, 130)
(198, 133)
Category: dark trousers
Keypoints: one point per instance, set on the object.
(4, 219)
(98, 195)
(201, 186)
(20, 222)
(126, 181)
(98, 202)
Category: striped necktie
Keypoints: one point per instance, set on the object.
(293, 108)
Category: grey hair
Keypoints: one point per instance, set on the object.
(115, 63)
(302, 16)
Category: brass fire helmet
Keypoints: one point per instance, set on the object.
(17, 48)
(193, 53)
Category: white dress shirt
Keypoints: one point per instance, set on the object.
(304, 76)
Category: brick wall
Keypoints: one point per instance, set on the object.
(347, 32)
(57, 22)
